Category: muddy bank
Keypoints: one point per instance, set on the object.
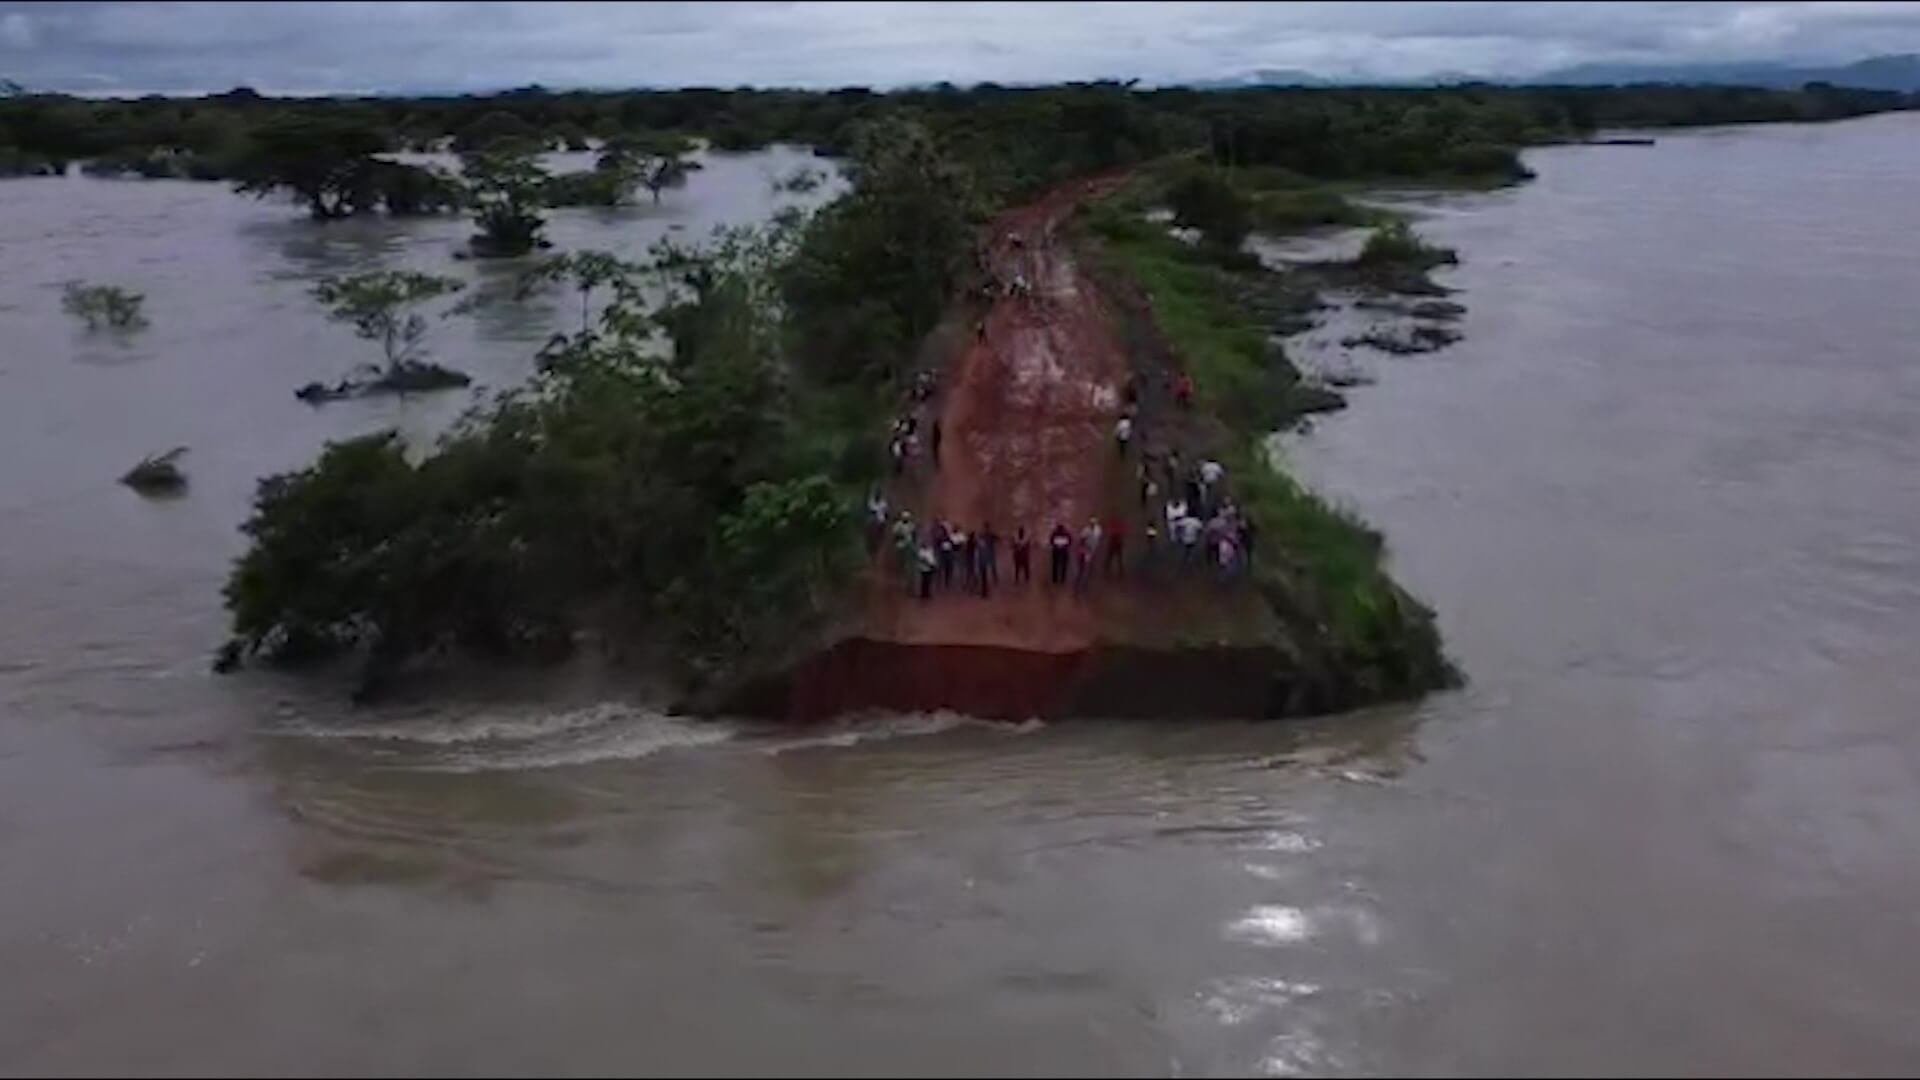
(1013, 683)
(1119, 318)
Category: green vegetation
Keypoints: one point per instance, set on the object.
(1291, 211)
(158, 474)
(688, 465)
(103, 306)
(328, 164)
(887, 253)
(586, 272)
(1395, 243)
(800, 182)
(383, 307)
(1320, 565)
(17, 162)
(658, 163)
(506, 190)
(1203, 199)
(704, 492)
(319, 150)
(625, 164)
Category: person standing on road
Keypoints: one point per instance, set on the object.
(1247, 535)
(1116, 562)
(927, 563)
(933, 442)
(970, 559)
(876, 521)
(1188, 529)
(1228, 557)
(1211, 473)
(905, 546)
(1022, 556)
(1060, 545)
(1211, 532)
(1122, 434)
(945, 539)
(989, 559)
(1090, 537)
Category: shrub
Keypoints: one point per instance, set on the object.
(1395, 243)
(103, 306)
(1204, 200)
(158, 474)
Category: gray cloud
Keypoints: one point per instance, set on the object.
(352, 47)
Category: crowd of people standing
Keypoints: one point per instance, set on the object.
(1188, 521)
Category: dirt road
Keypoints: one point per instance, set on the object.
(1027, 412)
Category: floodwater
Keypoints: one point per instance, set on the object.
(1663, 495)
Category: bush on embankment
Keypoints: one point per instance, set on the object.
(703, 494)
(1320, 566)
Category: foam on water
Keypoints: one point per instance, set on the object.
(504, 740)
(1271, 924)
(449, 728)
(893, 726)
(639, 735)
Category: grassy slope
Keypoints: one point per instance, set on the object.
(1319, 566)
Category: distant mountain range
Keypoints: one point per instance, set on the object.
(1893, 72)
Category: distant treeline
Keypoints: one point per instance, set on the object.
(1015, 139)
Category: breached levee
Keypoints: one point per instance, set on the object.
(1027, 405)
(1012, 683)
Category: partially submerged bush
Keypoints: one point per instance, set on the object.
(1395, 243)
(705, 491)
(158, 474)
(382, 307)
(1283, 211)
(800, 181)
(1405, 340)
(417, 376)
(17, 162)
(1205, 200)
(103, 306)
(506, 189)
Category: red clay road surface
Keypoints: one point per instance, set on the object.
(1028, 417)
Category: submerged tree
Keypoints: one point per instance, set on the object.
(659, 162)
(323, 162)
(586, 272)
(158, 474)
(103, 306)
(506, 190)
(412, 190)
(626, 163)
(383, 307)
(696, 493)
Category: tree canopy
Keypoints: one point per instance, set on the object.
(706, 489)
(506, 187)
(1467, 130)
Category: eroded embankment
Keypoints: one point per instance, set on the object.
(1027, 408)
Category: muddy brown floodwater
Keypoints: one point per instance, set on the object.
(1665, 497)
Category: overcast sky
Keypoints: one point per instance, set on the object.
(358, 47)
